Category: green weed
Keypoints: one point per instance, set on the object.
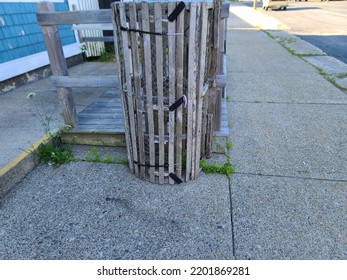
(53, 153)
(228, 145)
(94, 156)
(330, 78)
(213, 168)
(341, 75)
(107, 56)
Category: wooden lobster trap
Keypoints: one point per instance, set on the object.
(163, 67)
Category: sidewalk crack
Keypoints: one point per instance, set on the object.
(232, 221)
(291, 177)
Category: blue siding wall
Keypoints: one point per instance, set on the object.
(20, 35)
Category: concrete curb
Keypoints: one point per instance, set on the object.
(12, 173)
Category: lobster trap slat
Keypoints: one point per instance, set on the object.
(147, 77)
(118, 48)
(137, 87)
(160, 88)
(128, 86)
(172, 93)
(162, 54)
(191, 90)
(200, 86)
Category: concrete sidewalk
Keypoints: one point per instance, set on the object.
(287, 200)
(288, 125)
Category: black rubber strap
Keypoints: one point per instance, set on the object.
(122, 28)
(178, 103)
(175, 13)
(175, 178)
(148, 165)
(171, 175)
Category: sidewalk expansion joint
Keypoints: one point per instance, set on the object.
(291, 177)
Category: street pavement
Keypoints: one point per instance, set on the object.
(286, 200)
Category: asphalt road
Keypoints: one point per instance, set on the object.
(323, 24)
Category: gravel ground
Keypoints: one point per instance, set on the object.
(86, 210)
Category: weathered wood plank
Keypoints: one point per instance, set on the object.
(137, 87)
(96, 114)
(46, 17)
(179, 90)
(159, 78)
(104, 138)
(118, 43)
(129, 87)
(217, 110)
(99, 128)
(214, 65)
(216, 22)
(111, 101)
(85, 81)
(172, 87)
(204, 118)
(114, 101)
(220, 83)
(102, 109)
(214, 55)
(99, 121)
(58, 66)
(148, 79)
(201, 89)
(195, 97)
(191, 91)
(209, 136)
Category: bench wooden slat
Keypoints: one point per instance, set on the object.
(77, 17)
